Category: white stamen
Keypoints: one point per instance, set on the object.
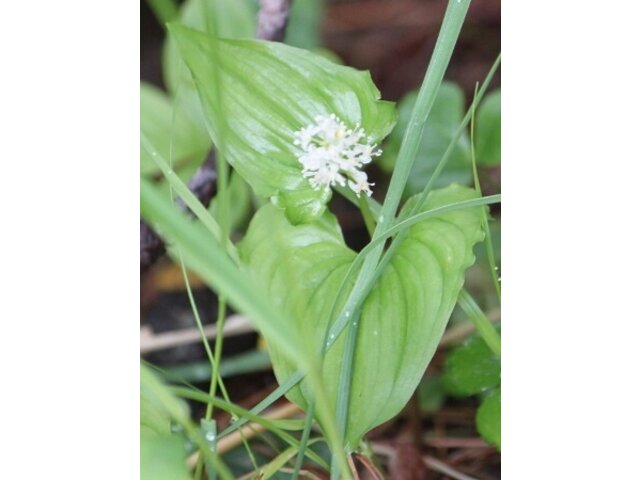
(332, 154)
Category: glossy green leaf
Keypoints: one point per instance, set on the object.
(268, 91)
(488, 131)
(209, 260)
(488, 418)
(403, 317)
(444, 119)
(190, 141)
(162, 457)
(162, 454)
(231, 19)
(471, 368)
(153, 417)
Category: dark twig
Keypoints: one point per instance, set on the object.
(272, 19)
(203, 182)
(370, 466)
(272, 24)
(151, 246)
(203, 186)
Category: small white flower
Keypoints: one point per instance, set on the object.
(360, 184)
(332, 154)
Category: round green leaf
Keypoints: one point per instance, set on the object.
(257, 94)
(488, 418)
(403, 317)
(488, 144)
(471, 368)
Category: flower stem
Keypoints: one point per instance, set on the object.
(367, 214)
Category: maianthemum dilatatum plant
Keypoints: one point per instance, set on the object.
(350, 334)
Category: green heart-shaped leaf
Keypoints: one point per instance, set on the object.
(488, 418)
(471, 368)
(268, 91)
(402, 319)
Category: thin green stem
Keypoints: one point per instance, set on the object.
(185, 276)
(215, 362)
(208, 427)
(189, 198)
(454, 140)
(483, 325)
(222, 181)
(367, 214)
(222, 310)
(239, 411)
(375, 207)
(266, 402)
(194, 309)
(209, 430)
(488, 242)
(227, 399)
(345, 377)
(149, 382)
(304, 440)
(347, 193)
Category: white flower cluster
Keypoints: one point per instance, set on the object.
(333, 154)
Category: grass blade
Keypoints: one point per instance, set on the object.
(450, 30)
(188, 197)
(488, 242)
(480, 321)
(212, 264)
